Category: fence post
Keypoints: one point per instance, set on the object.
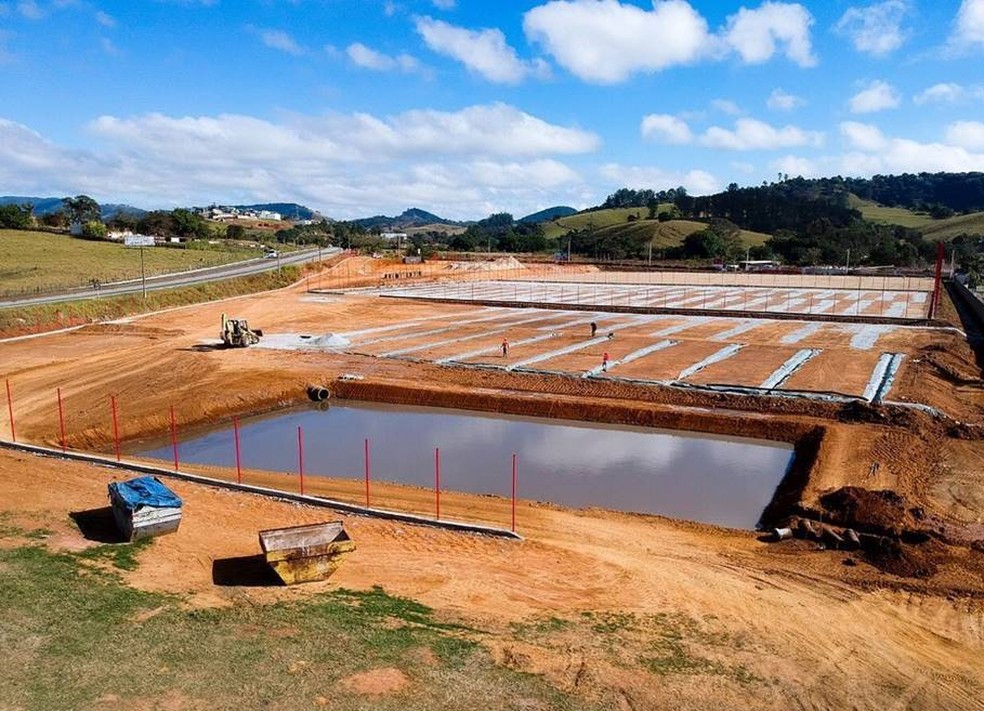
(10, 410)
(437, 482)
(239, 468)
(174, 438)
(367, 472)
(514, 492)
(116, 427)
(61, 421)
(300, 456)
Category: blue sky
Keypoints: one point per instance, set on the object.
(467, 107)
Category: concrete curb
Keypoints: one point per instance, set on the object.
(459, 526)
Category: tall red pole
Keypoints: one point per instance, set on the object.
(174, 438)
(10, 409)
(239, 467)
(116, 427)
(300, 456)
(367, 472)
(514, 492)
(437, 480)
(61, 421)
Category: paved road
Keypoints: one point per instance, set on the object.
(170, 281)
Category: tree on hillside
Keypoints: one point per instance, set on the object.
(94, 229)
(82, 209)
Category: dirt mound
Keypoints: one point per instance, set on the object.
(906, 561)
(127, 329)
(883, 512)
(377, 682)
(495, 265)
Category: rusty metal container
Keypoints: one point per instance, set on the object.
(303, 554)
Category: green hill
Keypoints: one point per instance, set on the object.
(944, 229)
(616, 221)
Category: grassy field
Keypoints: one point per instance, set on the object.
(663, 234)
(76, 637)
(33, 319)
(40, 261)
(932, 229)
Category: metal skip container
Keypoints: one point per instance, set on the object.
(303, 554)
(144, 507)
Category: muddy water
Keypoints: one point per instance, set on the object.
(725, 481)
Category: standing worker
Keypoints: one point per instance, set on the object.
(604, 361)
(505, 347)
(594, 329)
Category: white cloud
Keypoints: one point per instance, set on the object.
(105, 19)
(30, 10)
(280, 40)
(878, 96)
(947, 93)
(465, 163)
(970, 23)
(875, 29)
(754, 34)
(863, 136)
(780, 100)
(369, 58)
(752, 134)
(666, 128)
(698, 182)
(485, 52)
(108, 47)
(966, 134)
(726, 106)
(606, 41)
(870, 152)
(796, 166)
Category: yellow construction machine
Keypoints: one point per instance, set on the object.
(236, 333)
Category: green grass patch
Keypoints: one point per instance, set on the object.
(122, 556)
(76, 637)
(41, 261)
(31, 319)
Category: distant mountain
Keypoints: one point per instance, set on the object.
(49, 205)
(414, 217)
(551, 213)
(288, 210)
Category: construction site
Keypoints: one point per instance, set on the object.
(816, 498)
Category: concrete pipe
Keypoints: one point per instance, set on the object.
(318, 393)
(782, 534)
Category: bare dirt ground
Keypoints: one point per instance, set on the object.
(808, 630)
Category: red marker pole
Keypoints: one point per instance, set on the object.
(514, 492)
(300, 456)
(10, 410)
(61, 421)
(239, 467)
(174, 438)
(116, 427)
(367, 473)
(437, 481)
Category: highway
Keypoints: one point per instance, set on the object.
(170, 281)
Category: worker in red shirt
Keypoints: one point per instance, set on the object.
(505, 347)
(604, 361)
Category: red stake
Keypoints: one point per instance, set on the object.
(174, 438)
(367, 473)
(10, 409)
(116, 427)
(239, 468)
(61, 421)
(437, 480)
(300, 456)
(514, 492)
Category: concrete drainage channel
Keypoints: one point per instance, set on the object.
(140, 468)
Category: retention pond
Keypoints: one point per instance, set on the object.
(719, 480)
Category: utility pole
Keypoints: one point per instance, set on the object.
(848, 267)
